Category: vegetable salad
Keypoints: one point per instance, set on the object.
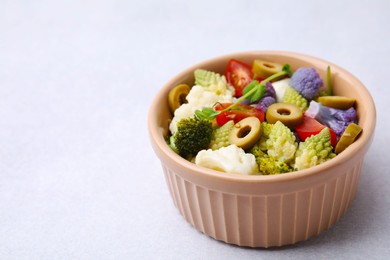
(260, 119)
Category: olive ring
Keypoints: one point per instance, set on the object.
(289, 114)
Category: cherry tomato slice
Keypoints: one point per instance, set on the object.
(238, 114)
(238, 74)
(310, 126)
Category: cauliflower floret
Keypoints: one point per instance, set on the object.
(336, 119)
(269, 97)
(280, 88)
(307, 82)
(198, 98)
(230, 159)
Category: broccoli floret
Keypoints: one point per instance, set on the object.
(268, 165)
(336, 119)
(307, 82)
(192, 135)
(281, 144)
(314, 150)
(292, 96)
(220, 136)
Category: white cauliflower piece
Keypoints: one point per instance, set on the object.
(198, 98)
(280, 87)
(230, 159)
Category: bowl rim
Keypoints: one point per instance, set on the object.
(163, 150)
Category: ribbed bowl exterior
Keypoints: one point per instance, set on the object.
(273, 210)
(267, 220)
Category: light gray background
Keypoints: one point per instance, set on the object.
(78, 177)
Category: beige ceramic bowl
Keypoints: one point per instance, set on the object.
(264, 211)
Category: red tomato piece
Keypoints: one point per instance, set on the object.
(310, 126)
(238, 114)
(239, 75)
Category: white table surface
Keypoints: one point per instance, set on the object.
(78, 177)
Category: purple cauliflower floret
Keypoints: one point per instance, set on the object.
(336, 119)
(269, 90)
(269, 97)
(307, 82)
(265, 102)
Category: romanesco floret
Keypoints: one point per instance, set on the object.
(268, 165)
(230, 159)
(314, 150)
(212, 81)
(220, 136)
(292, 96)
(266, 130)
(192, 135)
(281, 143)
(206, 78)
(267, 127)
(307, 82)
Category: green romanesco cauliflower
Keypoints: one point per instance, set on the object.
(220, 136)
(281, 144)
(212, 81)
(314, 150)
(192, 135)
(292, 96)
(266, 129)
(268, 165)
(206, 78)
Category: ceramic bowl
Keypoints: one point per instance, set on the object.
(264, 211)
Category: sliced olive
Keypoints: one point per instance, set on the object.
(264, 69)
(289, 114)
(246, 132)
(348, 137)
(177, 96)
(339, 102)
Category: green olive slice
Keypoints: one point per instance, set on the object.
(339, 102)
(289, 114)
(264, 69)
(246, 132)
(348, 137)
(177, 96)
